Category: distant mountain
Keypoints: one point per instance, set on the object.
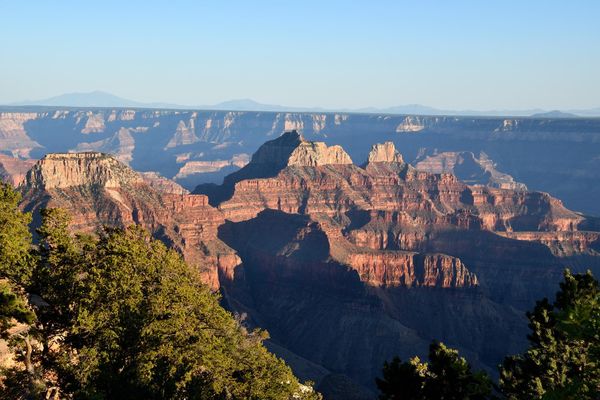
(404, 109)
(245, 105)
(92, 99)
(251, 105)
(591, 112)
(554, 114)
(104, 99)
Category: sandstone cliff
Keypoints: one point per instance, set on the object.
(60, 171)
(291, 149)
(345, 265)
(558, 156)
(13, 170)
(380, 249)
(98, 190)
(469, 169)
(385, 152)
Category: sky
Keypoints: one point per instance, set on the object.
(477, 55)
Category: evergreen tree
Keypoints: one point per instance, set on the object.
(403, 380)
(563, 360)
(16, 265)
(137, 323)
(13, 308)
(447, 376)
(15, 238)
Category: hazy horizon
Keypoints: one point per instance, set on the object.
(459, 56)
(102, 99)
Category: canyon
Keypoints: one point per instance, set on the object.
(554, 155)
(345, 264)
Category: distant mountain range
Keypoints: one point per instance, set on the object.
(104, 99)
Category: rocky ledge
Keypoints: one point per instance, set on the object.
(385, 152)
(291, 149)
(64, 170)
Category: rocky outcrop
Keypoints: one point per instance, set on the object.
(385, 152)
(162, 184)
(13, 134)
(184, 134)
(98, 191)
(94, 123)
(201, 167)
(121, 145)
(346, 266)
(60, 171)
(291, 149)
(406, 269)
(313, 154)
(562, 244)
(391, 244)
(414, 196)
(469, 169)
(411, 124)
(558, 156)
(13, 170)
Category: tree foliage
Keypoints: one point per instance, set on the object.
(137, 323)
(15, 238)
(563, 360)
(13, 308)
(120, 316)
(446, 376)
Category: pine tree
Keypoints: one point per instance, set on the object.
(15, 238)
(138, 323)
(447, 376)
(563, 360)
(16, 265)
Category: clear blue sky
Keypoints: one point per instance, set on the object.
(447, 54)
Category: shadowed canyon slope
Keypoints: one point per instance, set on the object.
(558, 156)
(345, 266)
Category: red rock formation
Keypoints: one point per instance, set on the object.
(468, 168)
(316, 184)
(401, 268)
(98, 190)
(345, 265)
(162, 184)
(13, 170)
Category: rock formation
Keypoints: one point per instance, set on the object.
(162, 184)
(469, 169)
(384, 153)
(61, 171)
(13, 170)
(345, 266)
(291, 149)
(98, 191)
(327, 239)
(554, 155)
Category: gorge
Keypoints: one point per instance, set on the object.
(345, 265)
(554, 155)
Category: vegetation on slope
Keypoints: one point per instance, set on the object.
(120, 316)
(562, 361)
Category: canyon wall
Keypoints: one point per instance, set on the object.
(558, 156)
(346, 266)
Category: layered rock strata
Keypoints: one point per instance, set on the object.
(98, 191)
(469, 169)
(555, 155)
(388, 250)
(346, 266)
